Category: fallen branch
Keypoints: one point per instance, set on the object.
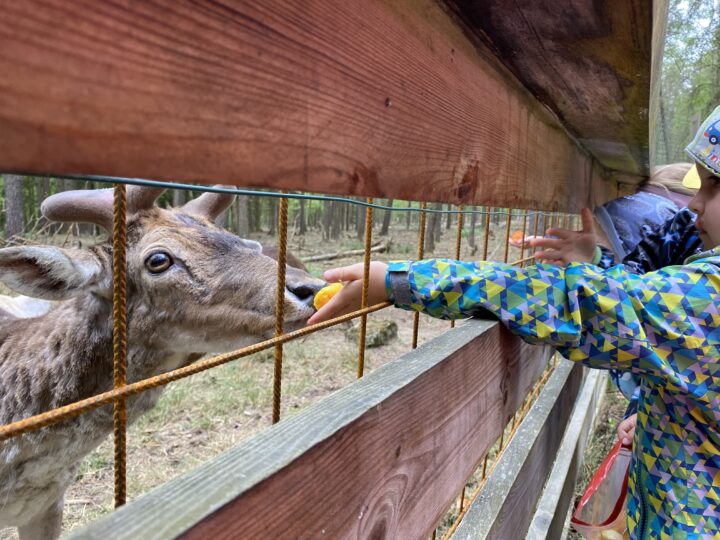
(377, 248)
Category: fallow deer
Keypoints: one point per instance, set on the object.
(192, 288)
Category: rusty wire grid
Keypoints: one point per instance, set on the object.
(119, 341)
(121, 390)
(501, 446)
(484, 471)
(421, 253)
(366, 281)
(279, 308)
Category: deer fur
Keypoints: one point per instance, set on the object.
(216, 294)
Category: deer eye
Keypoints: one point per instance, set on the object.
(158, 262)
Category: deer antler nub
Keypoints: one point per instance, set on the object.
(96, 205)
(209, 205)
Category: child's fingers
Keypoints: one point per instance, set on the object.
(588, 223)
(548, 243)
(344, 273)
(343, 302)
(565, 234)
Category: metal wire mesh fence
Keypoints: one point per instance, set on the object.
(504, 221)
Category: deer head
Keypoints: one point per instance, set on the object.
(192, 286)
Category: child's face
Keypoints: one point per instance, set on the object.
(706, 204)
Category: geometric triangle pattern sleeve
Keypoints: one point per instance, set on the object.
(662, 326)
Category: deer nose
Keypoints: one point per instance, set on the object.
(305, 292)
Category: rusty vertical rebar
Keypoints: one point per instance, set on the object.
(486, 239)
(366, 277)
(524, 234)
(421, 253)
(508, 226)
(119, 340)
(458, 242)
(279, 308)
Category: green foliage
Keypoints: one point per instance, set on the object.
(690, 83)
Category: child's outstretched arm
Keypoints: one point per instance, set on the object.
(605, 319)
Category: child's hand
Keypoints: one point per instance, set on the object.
(350, 297)
(520, 240)
(568, 246)
(626, 430)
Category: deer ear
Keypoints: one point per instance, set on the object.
(50, 272)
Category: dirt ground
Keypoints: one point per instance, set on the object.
(199, 417)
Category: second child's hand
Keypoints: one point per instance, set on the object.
(350, 297)
(568, 246)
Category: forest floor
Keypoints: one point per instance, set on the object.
(199, 417)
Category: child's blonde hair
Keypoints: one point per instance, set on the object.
(669, 177)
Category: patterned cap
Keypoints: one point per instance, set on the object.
(705, 147)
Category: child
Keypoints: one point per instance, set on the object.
(623, 222)
(663, 326)
(647, 231)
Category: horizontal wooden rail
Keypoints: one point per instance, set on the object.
(559, 493)
(506, 504)
(381, 98)
(382, 458)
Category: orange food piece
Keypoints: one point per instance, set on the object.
(517, 236)
(324, 295)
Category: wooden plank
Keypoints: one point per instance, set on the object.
(589, 61)
(505, 505)
(559, 492)
(382, 458)
(383, 98)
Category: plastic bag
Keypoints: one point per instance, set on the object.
(601, 513)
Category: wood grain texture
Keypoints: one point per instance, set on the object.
(506, 503)
(382, 98)
(382, 458)
(589, 61)
(559, 492)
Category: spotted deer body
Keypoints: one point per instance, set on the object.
(192, 288)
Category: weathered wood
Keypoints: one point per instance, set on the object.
(382, 458)
(559, 492)
(382, 98)
(505, 505)
(589, 61)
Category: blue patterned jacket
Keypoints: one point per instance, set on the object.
(663, 326)
(669, 244)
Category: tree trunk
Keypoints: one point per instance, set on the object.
(179, 197)
(360, 222)
(448, 223)
(14, 207)
(432, 235)
(337, 219)
(273, 216)
(302, 224)
(384, 231)
(242, 216)
(471, 235)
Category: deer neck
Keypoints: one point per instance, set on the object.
(66, 355)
